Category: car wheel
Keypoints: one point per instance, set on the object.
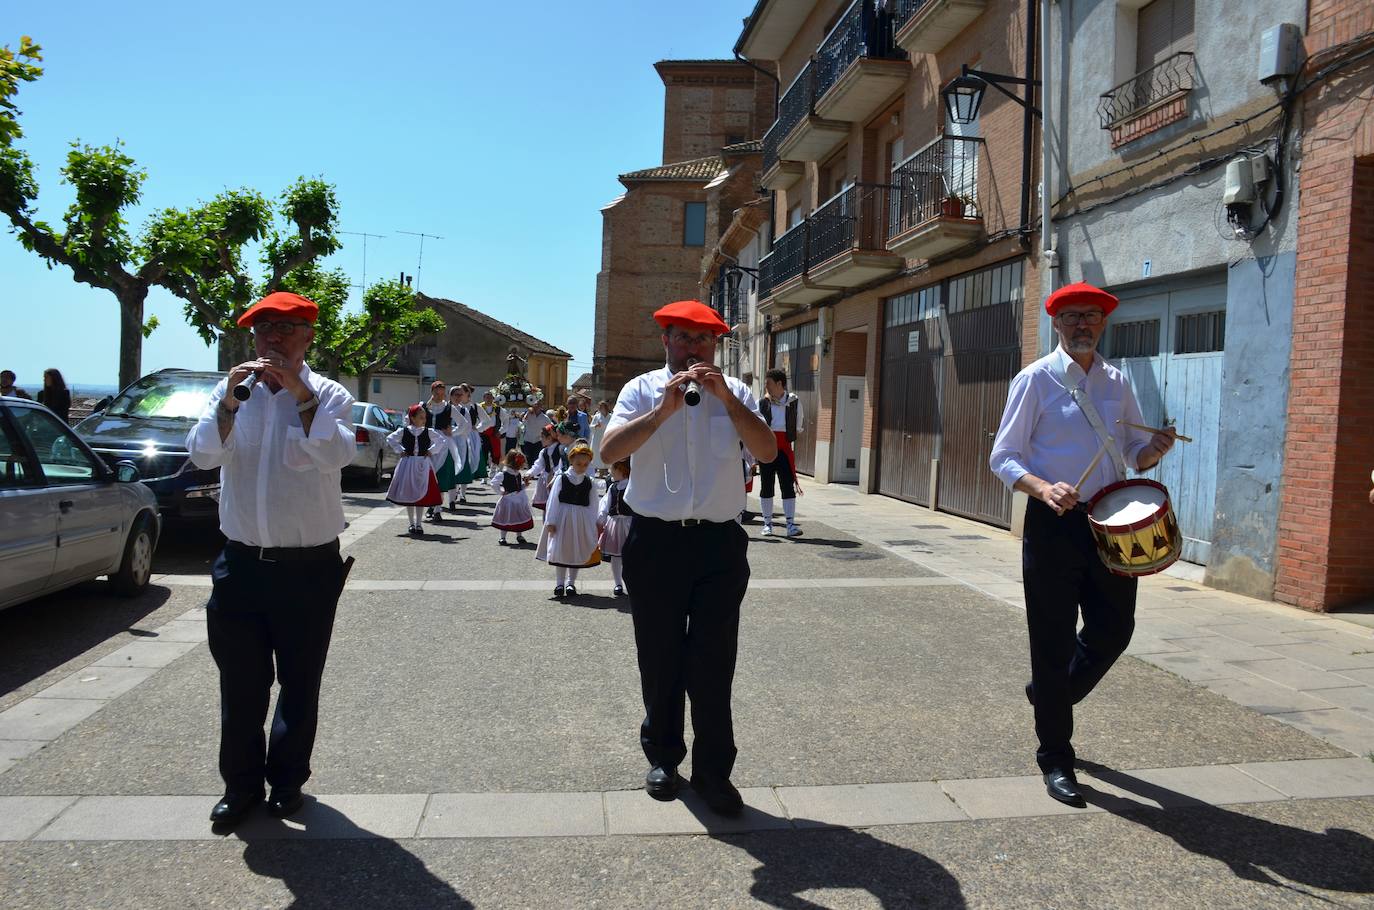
(377, 472)
(137, 566)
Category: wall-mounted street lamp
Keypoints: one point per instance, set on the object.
(734, 274)
(963, 96)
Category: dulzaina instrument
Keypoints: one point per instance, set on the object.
(1134, 527)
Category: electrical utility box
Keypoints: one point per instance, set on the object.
(1280, 53)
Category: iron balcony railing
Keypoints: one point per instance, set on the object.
(938, 180)
(1170, 76)
(862, 31)
(796, 103)
(903, 10)
(851, 219)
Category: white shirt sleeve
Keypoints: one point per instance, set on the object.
(632, 402)
(553, 508)
(203, 442)
(603, 511)
(1010, 447)
(331, 443)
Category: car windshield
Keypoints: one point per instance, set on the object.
(358, 413)
(165, 395)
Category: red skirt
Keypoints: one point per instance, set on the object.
(432, 495)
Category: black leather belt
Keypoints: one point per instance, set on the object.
(287, 554)
(684, 522)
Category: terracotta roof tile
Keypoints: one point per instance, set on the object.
(523, 339)
(696, 170)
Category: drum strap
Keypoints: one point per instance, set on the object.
(1085, 404)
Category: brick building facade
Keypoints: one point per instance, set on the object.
(1324, 560)
(654, 236)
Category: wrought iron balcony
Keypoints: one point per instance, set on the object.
(1168, 79)
(862, 33)
(934, 206)
(796, 104)
(840, 245)
(926, 26)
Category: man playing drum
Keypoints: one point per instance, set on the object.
(1063, 410)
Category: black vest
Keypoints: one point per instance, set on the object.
(551, 465)
(511, 483)
(789, 415)
(415, 444)
(441, 419)
(471, 411)
(618, 505)
(496, 416)
(575, 494)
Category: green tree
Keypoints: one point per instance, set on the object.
(358, 343)
(197, 254)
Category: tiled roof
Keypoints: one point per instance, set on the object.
(743, 148)
(522, 339)
(698, 169)
(582, 382)
(718, 61)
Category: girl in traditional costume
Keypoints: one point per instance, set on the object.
(513, 508)
(413, 483)
(546, 467)
(568, 540)
(613, 518)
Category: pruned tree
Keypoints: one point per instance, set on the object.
(197, 254)
(358, 343)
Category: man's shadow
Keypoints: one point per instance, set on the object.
(342, 864)
(1336, 859)
(814, 857)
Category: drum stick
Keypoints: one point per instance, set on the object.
(1091, 466)
(1141, 426)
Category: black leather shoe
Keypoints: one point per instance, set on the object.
(663, 783)
(230, 810)
(570, 590)
(1063, 786)
(719, 795)
(283, 803)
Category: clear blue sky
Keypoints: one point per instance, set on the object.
(500, 126)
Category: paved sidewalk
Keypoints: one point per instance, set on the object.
(1310, 670)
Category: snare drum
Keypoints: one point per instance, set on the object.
(1134, 527)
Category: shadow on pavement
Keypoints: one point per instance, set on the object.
(596, 602)
(778, 537)
(433, 538)
(793, 862)
(46, 633)
(354, 868)
(1336, 860)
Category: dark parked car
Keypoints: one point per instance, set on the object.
(67, 517)
(147, 424)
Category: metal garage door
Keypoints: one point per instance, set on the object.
(949, 353)
(1169, 340)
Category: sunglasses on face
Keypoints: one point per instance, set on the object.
(266, 326)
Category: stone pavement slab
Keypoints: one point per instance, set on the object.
(21, 817)
(146, 653)
(866, 805)
(46, 718)
(338, 817)
(632, 812)
(1212, 784)
(133, 818)
(99, 682)
(514, 815)
(1314, 779)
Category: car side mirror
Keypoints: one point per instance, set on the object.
(102, 404)
(126, 472)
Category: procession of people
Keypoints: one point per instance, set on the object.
(661, 472)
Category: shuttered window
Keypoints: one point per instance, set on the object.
(1135, 339)
(1163, 28)
(1199, 333)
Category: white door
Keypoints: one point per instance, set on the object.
(28, 537)
(849, 428)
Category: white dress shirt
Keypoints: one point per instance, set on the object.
(777, 413)
(535, 421)
(1045, 433)
(486, 419)
(690, 467)
(279, 487)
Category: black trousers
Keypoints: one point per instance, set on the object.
(260, 614)
(1062, 574)
(686, 585)
(781, 469)
(531, 450)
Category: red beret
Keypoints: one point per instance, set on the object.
(280, 305)
(693, 315)
(1082, 292)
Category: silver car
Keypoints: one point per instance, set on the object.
(65, 516)
(374, 457)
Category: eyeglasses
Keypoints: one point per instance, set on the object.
(266, 326)
(1092, 317)
(693, 339)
